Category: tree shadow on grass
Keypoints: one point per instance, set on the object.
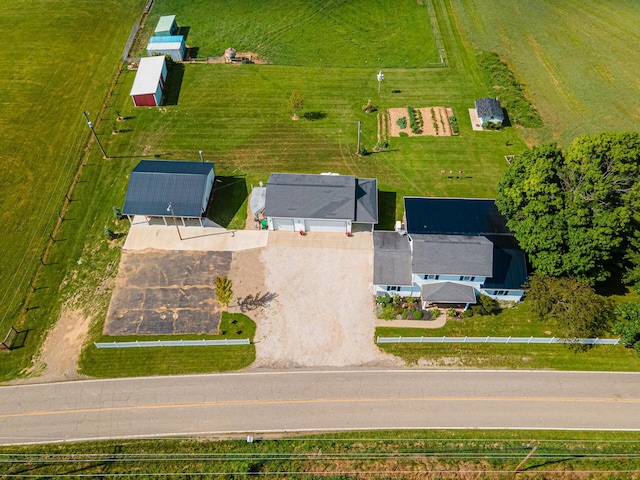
(174, 84)
(227, 198)
(312, 116)
(386, 210)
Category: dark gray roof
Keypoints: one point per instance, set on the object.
(489, 108)
(366, 200)
(452, 255)
(509, 264)
(329, 197)
(391, 259)
(448, 292)
(155, 183)
(454, 216)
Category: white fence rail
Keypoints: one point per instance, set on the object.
(532, 340)
(174, 343)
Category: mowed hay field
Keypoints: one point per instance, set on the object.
(306, 32)
(59, 60)
(579, 61)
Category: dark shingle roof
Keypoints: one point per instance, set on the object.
(448, 292)
(452, 255)
(391, 259)
(329, 197)
(155, 183)
(366, 200)
(509, 264)
(454, 216)
(489, 108)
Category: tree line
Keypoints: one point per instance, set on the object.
(576, 215)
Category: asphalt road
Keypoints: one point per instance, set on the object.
(263, 402)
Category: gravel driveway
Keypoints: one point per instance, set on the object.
(322, 308)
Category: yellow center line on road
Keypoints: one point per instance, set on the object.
(230, 403)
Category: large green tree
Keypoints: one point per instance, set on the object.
(576, 308)
(574, 212)
(628, 324)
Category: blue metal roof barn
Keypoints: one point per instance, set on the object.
(165, 188)
(149, 82)
(166, 25)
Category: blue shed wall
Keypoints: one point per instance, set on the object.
(158, 95)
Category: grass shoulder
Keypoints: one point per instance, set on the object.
(515, 322)
(135, 362)
(450, 453)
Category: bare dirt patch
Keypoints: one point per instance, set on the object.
(58, 358)
(431, 117)
(250, 57)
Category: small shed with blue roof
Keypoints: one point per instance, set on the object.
(172, 45)
(489, 111)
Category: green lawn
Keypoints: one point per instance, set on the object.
(579, 62)
(135, 362)
(514, 322)
(246, 129)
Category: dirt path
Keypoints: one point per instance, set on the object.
(58, 358)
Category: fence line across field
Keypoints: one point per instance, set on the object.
(173, 343)
(519, 340)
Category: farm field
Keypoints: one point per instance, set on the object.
(61, 62)
(579, 62)
(357, 33)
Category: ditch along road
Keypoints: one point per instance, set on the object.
(272, 402)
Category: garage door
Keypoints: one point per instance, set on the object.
(283, 224)
(339, 226)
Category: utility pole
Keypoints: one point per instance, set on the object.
(86, 115)
(359, 130)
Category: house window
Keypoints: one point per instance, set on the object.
(467, 279)
(431, 277)
(501, 292)
(393, 288)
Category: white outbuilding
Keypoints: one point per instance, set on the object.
(148, 85)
